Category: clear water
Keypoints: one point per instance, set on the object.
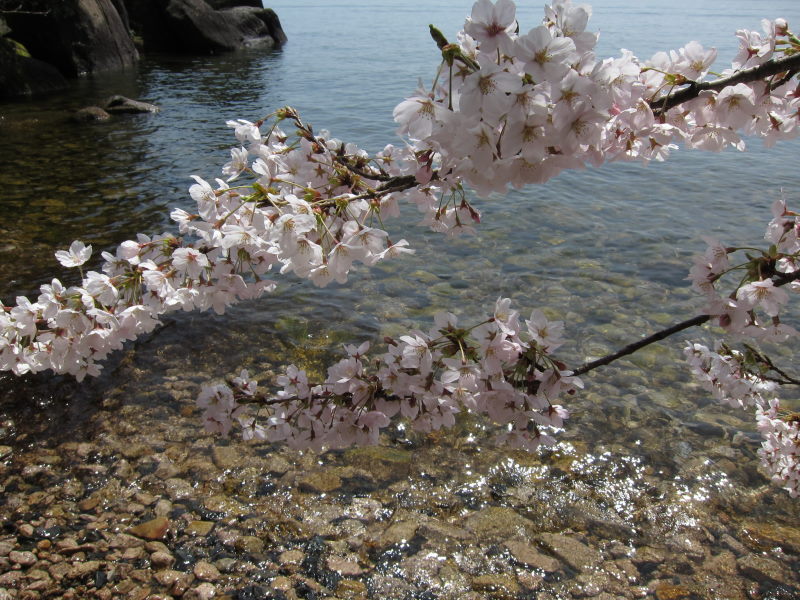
(607, 250)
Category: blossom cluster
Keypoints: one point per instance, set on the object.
(780, 451)
(500, 368)
(732, 378)
(513, 108)
(753, 311)
(309, 210)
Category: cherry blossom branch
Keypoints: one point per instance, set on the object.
(631, 348)
(790, 64)
(665, 333)
(786, 379)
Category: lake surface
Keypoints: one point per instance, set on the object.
(606, 250)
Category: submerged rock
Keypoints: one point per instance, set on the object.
(122, 105)
(155, 529)
(89, 114)
(575, 553)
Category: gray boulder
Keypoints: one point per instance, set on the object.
(221, 4)
(259, 25)
(89, 114)
(268, 17)
(123, 13)
(78, 37)
(195, 26)
(122, 105)
(202, 29)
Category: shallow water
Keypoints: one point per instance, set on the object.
(648, 462)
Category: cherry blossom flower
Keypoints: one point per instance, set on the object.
(492, 25)
(77, 254)
(763, 294)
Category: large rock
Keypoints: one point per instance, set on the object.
(220, 4)
(194, 26)
(122, 105)
(200, 28)
(123, 13)
(270, 19)
(89, 114)
(22, 75)
(76, 36)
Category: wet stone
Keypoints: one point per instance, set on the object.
(527, 555)
(345, 567)
(131, 554)
(156, 546)
(10, 579)
(90, 503)
(668, 591)
(161, 560)
(399, 532)
(765, 536)
(226, 565)
(276, 465)
(498, 523)
(436, 530)
(204, 591)
(155, 529)
(123, 540)
(205, 571)
(82, 569)
(225, 506)
(500, 587)
(173, 579)
(226, 457)
(382, 462)
(319, 482)
(199, 528)
(178, 488)
(349, 589)
(249, 544)
(163, 507)
(575, 553)
(23, 559)
(761, 568)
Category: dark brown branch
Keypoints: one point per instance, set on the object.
(767, 361)
(693, 90)
(665, 333)
(631, 348)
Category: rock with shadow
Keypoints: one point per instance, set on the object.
(78, 37)
(197, 26)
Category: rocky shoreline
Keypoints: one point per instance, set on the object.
(43, 44)
(148, 507)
